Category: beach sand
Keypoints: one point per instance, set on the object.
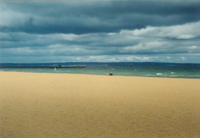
(39, 105)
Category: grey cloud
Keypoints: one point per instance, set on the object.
(156, 31)
(96, 16)
(93, 8)
(150, 40)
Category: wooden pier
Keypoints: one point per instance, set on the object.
(59, 66)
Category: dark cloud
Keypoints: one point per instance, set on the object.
(164, 31)
(81, 17)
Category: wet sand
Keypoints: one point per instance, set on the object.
(39, 105)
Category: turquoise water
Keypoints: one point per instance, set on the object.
(165, 70)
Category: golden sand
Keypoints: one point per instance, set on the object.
(36, 105)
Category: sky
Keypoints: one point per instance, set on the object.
(100, 31)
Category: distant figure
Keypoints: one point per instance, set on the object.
(109, 74)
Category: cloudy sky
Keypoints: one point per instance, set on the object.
(100, 31)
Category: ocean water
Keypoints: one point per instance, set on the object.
(165, 70)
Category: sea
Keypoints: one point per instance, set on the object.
(141, 69)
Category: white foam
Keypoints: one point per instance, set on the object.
(148, 75)
(174, 75)
(173, 72)
(159, 74)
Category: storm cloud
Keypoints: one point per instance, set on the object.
(100, 31)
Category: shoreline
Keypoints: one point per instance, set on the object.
(54, 105)
(101, 75)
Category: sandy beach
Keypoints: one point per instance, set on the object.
(42, 105)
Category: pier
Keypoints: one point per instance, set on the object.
(59, 66)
